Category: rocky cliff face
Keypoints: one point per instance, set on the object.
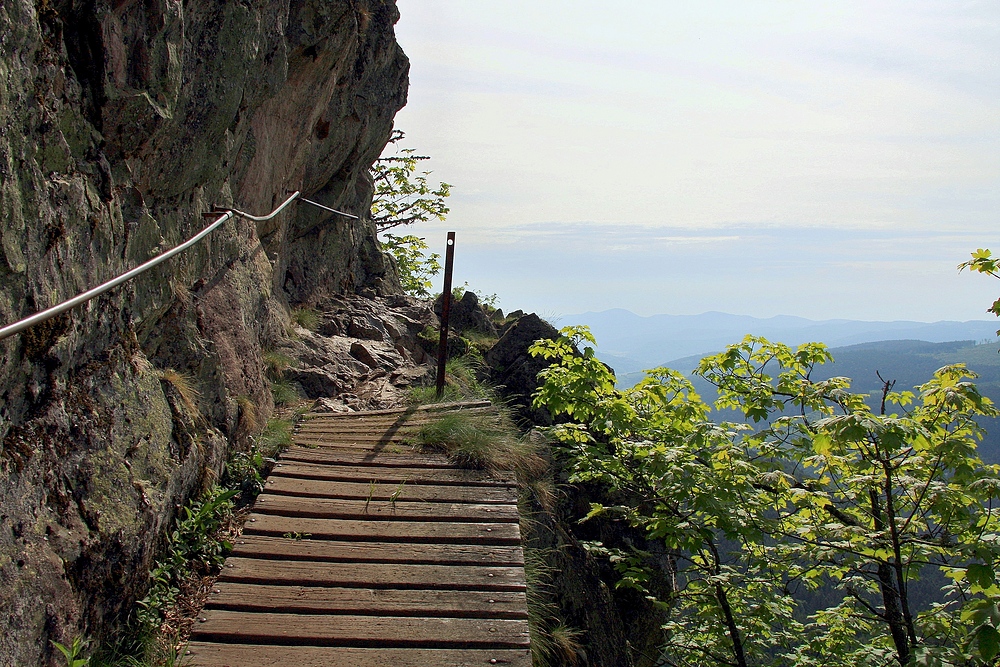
(121, 122)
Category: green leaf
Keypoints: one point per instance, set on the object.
(822, 444)
(980, 576)
(988, 642)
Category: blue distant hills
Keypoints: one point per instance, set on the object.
(907, 352)
(631, 343)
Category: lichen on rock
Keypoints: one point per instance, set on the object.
(120, 124)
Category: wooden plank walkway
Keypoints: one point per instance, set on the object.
(363, 552)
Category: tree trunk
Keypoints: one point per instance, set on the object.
(890, 596)
(727, 612)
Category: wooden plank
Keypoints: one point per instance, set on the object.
(368, 601)
(430, 407)
(313, 488)
(361, 631)
(415, 532)
(326, 551)
(203, 654)
(401, 443)
(307, 455)
(382, 510)
(393, 475)
(350, 420)
(380, 426)
(373, 575)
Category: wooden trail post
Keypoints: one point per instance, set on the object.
(449, 262)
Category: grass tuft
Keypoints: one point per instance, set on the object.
(284, 392)
(276, 436)
(483, 442)
(276, 363)
(461, 384)
(553, 643)
(183, 384)
(306, 317)
(248, 420)
(479, 342)
(567, 644)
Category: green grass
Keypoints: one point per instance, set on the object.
(276, 363)
(306, 317)
(277, 435)
(483, 442)
(461, 384)
(284, 392)
(494, 443)
(553, 643)
(479, 343)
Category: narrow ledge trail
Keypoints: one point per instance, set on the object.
(364, 551)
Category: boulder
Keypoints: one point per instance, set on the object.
(515, 371)
(467, 314)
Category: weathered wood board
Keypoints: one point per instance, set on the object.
(364, 551)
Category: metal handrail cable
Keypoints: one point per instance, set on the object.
(224, 215)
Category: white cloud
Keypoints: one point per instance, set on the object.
(675, 127)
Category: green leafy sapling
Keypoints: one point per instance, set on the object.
(983, 261)
(816, 489)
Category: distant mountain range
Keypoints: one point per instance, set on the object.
(907, 352)
(630, 342)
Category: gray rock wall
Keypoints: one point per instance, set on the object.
(121, 122)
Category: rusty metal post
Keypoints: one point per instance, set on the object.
(449, 262)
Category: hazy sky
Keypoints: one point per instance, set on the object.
(822, 159)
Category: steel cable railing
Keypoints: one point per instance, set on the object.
(224, 215)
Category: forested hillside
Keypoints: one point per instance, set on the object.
(908, 363)
(806, 523)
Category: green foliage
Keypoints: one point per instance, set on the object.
(276, 363)
(277, 435)
(73, 652)
(415, 268)
(814, 490)
(284, 392)
(193, 546)
(487, 301)
(983, 261)
(402, 195)
(306, 317)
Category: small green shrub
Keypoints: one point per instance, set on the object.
(430, 335)
(193, 546)
(73, 652)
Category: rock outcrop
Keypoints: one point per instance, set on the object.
(364, 353)
(467, 314)
(515, 372)
(121, 123)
